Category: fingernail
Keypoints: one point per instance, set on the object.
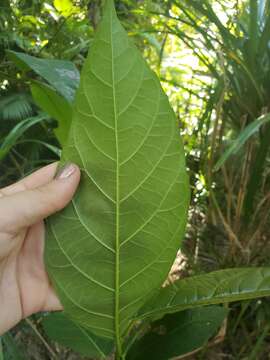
(65, 172)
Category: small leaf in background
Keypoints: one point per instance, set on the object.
(11, 139)
(62, 75)
(179, 334)
(16, 106)
(153, 40)
(56, 106)
(218, 287)
(65, 7)
(54, 149)
(244, 136)
(62, 330)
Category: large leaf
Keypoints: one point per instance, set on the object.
(179, 334)
(218, 287)
(59, 328)
(56, 106)
(114, 245)
(62, 75)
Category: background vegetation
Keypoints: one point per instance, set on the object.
(213, 59)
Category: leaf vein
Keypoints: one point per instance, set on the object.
(163, 155)
(95, 117)
(91, 178)
(96, 146)
(134, 96)
(145, 137)
(89, 231)
(77, 268)
(165, 249)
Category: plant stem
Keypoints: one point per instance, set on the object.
(47, 346)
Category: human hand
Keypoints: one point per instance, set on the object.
(24, 285)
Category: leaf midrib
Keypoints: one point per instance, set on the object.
(117, 197)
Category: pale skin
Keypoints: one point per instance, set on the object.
(25, 288)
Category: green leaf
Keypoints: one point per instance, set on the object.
(52, 148)
(244, 136)
(11, 139)
(56, 106)
(65, 7)
(15, 107)
(13, 351)
(62, 75)
(62, 330)
(253, 33)
(264, 39)
(114, 245)
(218, 287)
(179, 334)
(258, 347)
(1, 350)
(257, 174)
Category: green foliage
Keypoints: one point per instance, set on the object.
(244, 136)
(124, 138)
(12, 138)
(13, 350)
(213, 60)
(62, 75)
(105, 298)
(61, 329)
(222, 286)
(1, 350)
(179, 334)
(65, 7)
(241, 68)
(15, 107)
(54, 105)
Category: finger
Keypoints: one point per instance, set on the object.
(52, 302)
(26, 208)
(37, 293)
(38, 178)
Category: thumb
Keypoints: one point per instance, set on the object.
(26, 208)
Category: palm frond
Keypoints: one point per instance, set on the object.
(16, 107)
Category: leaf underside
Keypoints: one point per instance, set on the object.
(114, 245)
(59, 328)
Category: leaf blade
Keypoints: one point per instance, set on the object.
(12, 137)
(64, 331)
(62, 75)
(165, 340)
(244, 136)
(56, 106)
(214, 288)
(134, 191)
(13, 350)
